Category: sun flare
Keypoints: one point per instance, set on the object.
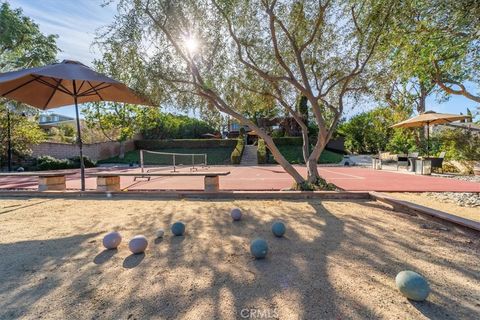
(191, 44)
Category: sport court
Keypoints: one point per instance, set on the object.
(265, 178)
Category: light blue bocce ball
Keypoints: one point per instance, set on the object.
(178, 228)
(259, 248)
(138, 244)
(236, 214)
(412, 285)
(278, 228)
(112, 240)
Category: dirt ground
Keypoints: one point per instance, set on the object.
(445, 206)
(337, 261)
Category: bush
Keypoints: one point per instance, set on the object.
(370, 131)
(402, 142)
(169, 126)
(236, 156)
(89, 163)
(459, 144)
(261, 152)
(184, 143)
(320, 185)
(51, 163)
(288, 141)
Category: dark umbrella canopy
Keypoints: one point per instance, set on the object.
(62, 84)
(54, 85)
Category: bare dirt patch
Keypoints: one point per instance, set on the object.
(337, 261)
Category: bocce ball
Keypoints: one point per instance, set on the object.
(160, 233)
(259, 248)
(412, 285)
(178, 228)
(138, 244)
(112, 240)
(278, 228)
(236, 214)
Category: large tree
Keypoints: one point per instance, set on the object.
(22, 45)
(227, 54)
(435, 47)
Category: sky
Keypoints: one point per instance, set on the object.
(77, 21)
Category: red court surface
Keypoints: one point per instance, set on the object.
(270, 178)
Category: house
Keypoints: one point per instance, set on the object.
(233, 129)
(50, 119)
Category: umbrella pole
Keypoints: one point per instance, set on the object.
(428, 139)
(79, 140)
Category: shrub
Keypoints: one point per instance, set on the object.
(459, 144)
(242, 132)
(236, 156)
(89, 163)
(288, 141)
(51, 163)
(169, 126)
(184, 143)
(320, 185)
(261, 152)
(402, 141)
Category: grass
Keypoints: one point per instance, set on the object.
(294, 155)
(216, 156)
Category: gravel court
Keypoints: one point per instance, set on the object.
(337, 260)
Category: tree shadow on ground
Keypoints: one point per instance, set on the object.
(28, 271)
(337, 260)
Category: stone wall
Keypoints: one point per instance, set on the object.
(95, 151)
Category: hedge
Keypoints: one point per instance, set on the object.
(288, 141)
(236, 156)
(51, 163)
(261, 152)
(184, 143)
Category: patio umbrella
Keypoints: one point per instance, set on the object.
(62, 84)
(429, 118)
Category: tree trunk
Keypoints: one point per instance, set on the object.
(421, 108)
(312, 163)
(287, 166)
(122, 149)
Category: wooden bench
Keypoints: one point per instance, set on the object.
(110, 181)
(47, 181)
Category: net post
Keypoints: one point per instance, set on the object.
(173, 162)
(193, 162)
(141, 160)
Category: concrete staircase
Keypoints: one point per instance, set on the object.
(249, 157)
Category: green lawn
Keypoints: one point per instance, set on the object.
(215, 156)
(294, 154)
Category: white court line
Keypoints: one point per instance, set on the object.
(343, 174)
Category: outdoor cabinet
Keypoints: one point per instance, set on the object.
(376, 164)
(423, 166)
